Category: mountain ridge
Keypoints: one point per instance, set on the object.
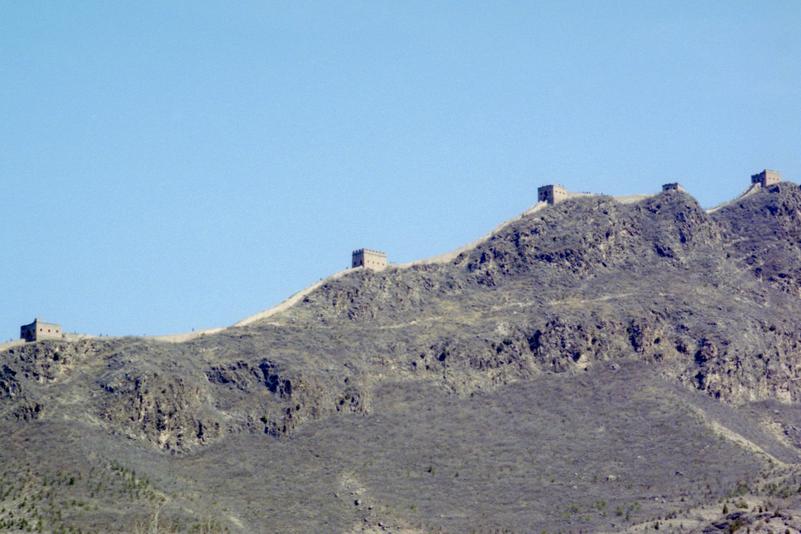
(682, 301)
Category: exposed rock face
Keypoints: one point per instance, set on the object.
(708, 299)
(163, 409)
(282, 404)
(9, 386)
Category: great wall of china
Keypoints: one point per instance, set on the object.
(374, 260)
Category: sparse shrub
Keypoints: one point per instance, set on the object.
(736, 525)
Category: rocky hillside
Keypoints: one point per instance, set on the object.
(609, 300)
(707, 298)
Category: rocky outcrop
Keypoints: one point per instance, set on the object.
(9, 385)
(247, 378)
(165, 410)
(48, 361)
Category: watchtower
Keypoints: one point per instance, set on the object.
(551, 193)
(374, 260)
(674, 186)
(40, 330)
(766, 178)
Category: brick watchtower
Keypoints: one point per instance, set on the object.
(40, 330)
(766, 178)
(369, 259)
(675, 186)
(551, 193)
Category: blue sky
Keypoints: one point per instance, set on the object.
(174, 165)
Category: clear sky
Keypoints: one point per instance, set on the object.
(166, 166)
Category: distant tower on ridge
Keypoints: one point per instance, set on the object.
(675, 186)
(551, 193)
(374, 260)
(766, 178)
(40, 330)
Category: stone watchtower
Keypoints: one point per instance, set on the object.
(374, 260)
(766, 178)
(551, 193)
(40, 330)
(675, 186)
